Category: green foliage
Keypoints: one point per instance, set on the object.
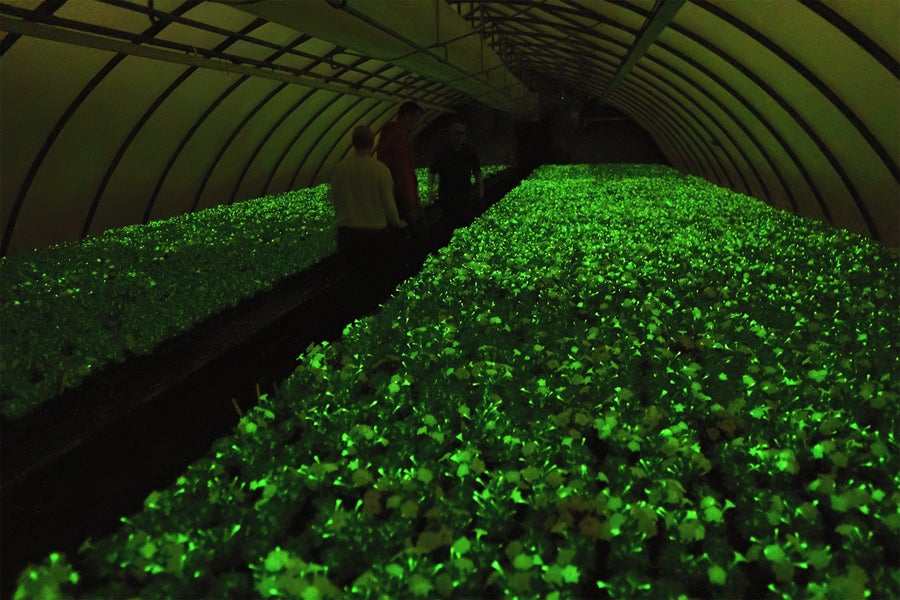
(72, 309)
(48, 581)
(628, 380)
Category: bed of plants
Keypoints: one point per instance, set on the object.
(618, 382)
(71, 309)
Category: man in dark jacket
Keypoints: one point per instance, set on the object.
(455, 165)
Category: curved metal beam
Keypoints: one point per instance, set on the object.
(363, 119)
(123, 147)
(87, 40)
(657, 21)
(318, 140)
(240, 126)
(56, 131)
(452, 56)
(829, 94)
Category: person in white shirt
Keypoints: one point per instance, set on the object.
(362, 192)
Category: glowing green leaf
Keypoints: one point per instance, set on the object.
(419, 586)
(615, 523)
(866, 390)
(784, 571)
(840, 503)
(570, 574)
(394, 570)
(276, 560)
(819, 558)
(717, 575)
(461, 546)
(148, 550)
(818, 376)
(443, 584)
(464, 565)
(553, 575)
(692, 530)
(787, 462)
(774, 553)
(839, 459)
(712, 513)
(530, 474)
(361, 477)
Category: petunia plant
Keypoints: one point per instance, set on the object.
(70, 310)
(620, 381)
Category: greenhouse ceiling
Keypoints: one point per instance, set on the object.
(115, 112)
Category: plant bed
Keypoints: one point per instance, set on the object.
(128, 425)
(73, 309)
(618, 382)
(60, 424)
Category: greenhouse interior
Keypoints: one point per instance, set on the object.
(450, 299)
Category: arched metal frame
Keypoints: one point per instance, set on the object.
(45, 11)
(669, 68)
(669, 142)
(536, 51)
(744, 102)
(687, 149)
(581, 24)
(413, 87)
(713, 112)
(681, 76)
(817, 83)
(712, 76)
(143, 121)
(339, 148)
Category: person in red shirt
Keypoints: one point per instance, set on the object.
(395, 149)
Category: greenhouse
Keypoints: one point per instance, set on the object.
(449, 299)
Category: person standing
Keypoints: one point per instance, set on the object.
(362, 192)
(395, 149)
(455, 164)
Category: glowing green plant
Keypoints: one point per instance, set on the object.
(608, 383)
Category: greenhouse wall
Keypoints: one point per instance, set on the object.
(120, 112)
